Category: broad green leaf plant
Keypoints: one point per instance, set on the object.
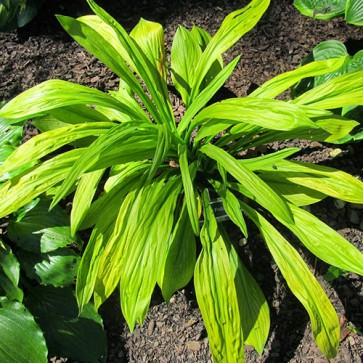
(328, 9)
(144, 181)
(38, 265)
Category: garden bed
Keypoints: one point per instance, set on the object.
(175, 332)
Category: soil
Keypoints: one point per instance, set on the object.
(175, 332)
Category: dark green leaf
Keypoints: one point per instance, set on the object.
(57, 268)
(68, 334)
(9, 274)
(41, 230)
(21, 340)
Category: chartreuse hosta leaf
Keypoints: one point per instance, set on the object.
(188, 174)
(230, 205)
(324, 242)
(262, 193)
(135, 250)
(100, 39)
(232, 305)
(85, 192)
(180, 257)
(36, 181)
(234, 26)
(204, 96)
(278, 84)
(150, 38)
(102, 216)
(129, 141)
(47, 142)
(344, 90)
(301, 281)
(326, 180)
(144, 67)
(185, 54)
(269, 114)
(53, 94)
(144, 250)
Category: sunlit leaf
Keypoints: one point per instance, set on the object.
(263, 194)
(301, 281)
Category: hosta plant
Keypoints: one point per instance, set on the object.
(38, 265)
(142, 180)
(328, 9)
(330, 49)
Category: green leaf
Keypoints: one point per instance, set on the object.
(16, 194)
(262, 193)
(185, 54)
(268, 160)
(57, 268)
(144, 251)
(254, 310)
(162, 148)
(214, 281)
(17, 13)
(295, 193)
(83, 197)
(305, 287)
(180, 257)
(234, 26)
(101, 39)
(116, 187)
(189, 191)
(41, 230)
(68, 334)
(269, 114)
(10, 138)
(322, 9)
(146, 70)
(354, 12)
(323, 179)
(109, 267)
(129, 141)
(278, 84)
(324, 242)
(47, 142)
(150, 37)
(53, 94)
(344, 90)
(88, 267)
(9, 273)
(204, 96)
(16, 322)
(231, 206)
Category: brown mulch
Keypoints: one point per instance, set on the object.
(175, 332)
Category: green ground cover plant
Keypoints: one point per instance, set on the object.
(328, 9)
(144, 182)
